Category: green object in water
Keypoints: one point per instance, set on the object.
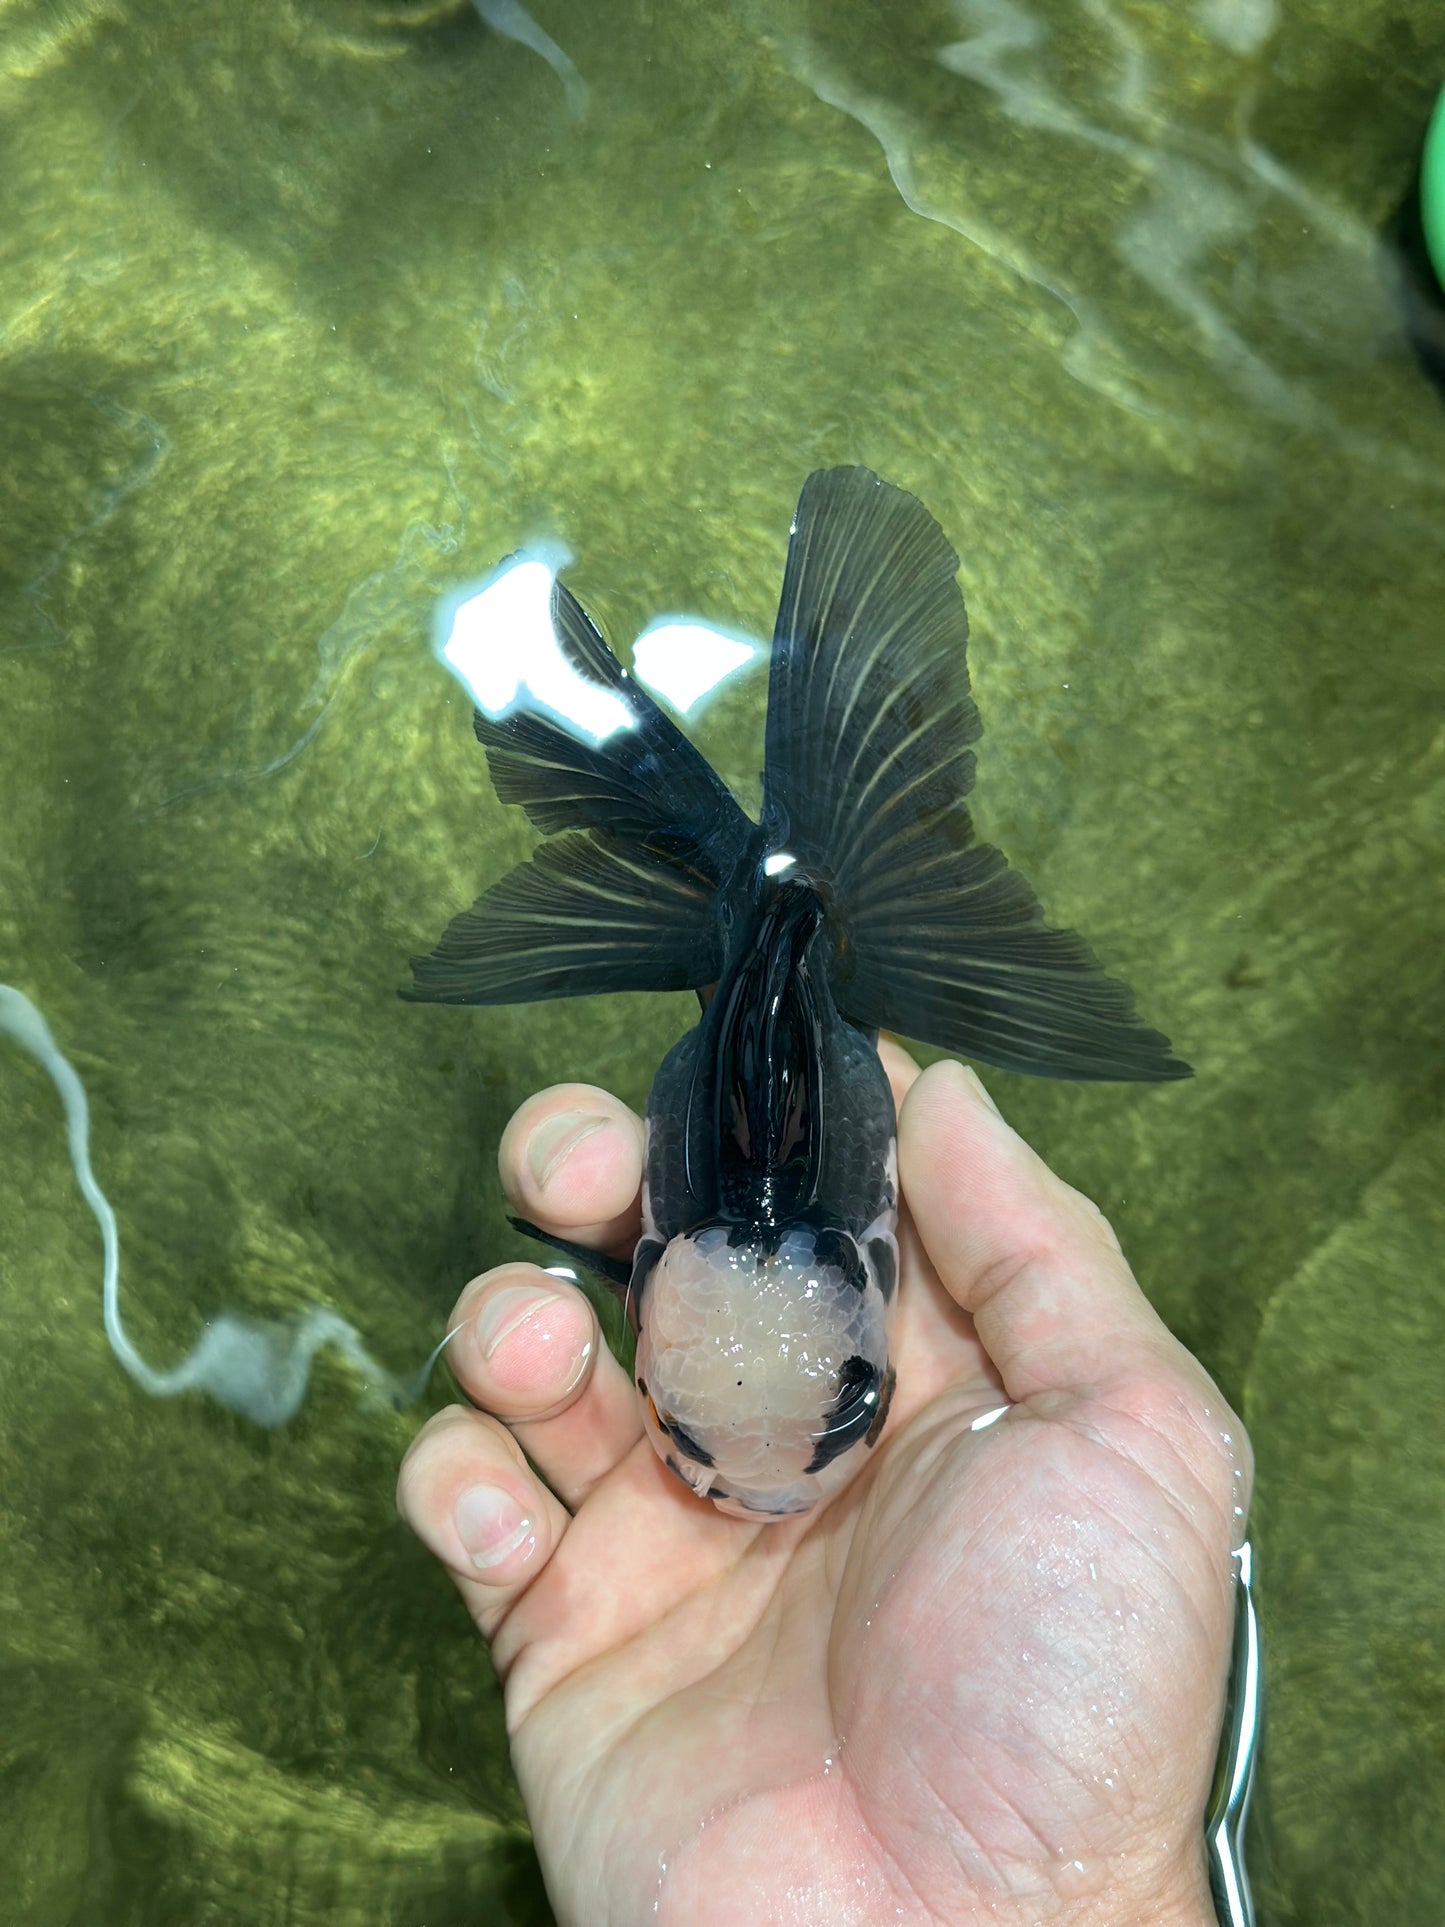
(1432, 189)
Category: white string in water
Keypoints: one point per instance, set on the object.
(257, 1367)
(511, 18)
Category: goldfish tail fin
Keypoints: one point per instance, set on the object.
(595, 752)
(869, 761)
(585, 914)
(641, 832)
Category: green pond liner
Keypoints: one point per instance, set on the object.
(1432, 189)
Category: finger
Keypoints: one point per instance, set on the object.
(571, 1161)
(1054, 1303)
(468, 1495)
(902, 1070)
(527, 1349)
(936, 1344)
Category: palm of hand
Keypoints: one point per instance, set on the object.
(985, 1683)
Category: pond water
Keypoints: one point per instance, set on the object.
(312, 312)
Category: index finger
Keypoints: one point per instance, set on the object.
(1053, 1300)
(570, 1160)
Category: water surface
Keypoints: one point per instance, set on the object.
(310, 313)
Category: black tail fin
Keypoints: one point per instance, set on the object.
(870, 720)
(628, 905)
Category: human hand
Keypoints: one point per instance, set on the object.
(984, 1684)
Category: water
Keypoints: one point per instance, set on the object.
(309, 315)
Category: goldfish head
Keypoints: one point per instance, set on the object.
(762, 1365)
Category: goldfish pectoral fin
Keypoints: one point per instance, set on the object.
(617, 1271)
(954, 952)
(869, 712)
(584, 914)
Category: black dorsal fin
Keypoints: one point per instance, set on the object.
(764, 1045)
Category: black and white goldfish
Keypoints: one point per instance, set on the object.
(761, 1291)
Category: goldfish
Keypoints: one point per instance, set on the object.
(762, 1289)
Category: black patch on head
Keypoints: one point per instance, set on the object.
(854, 1413)
(642, 1386)
(835, 1247)
(884, 1254)
(684, 1439)
(885, 1399)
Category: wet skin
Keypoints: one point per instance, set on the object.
(983, 1684)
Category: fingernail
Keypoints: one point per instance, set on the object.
(977, 1082)
(554, 1141)
(491, 1525)
(500, 1316)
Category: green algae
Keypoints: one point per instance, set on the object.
(310, 314)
